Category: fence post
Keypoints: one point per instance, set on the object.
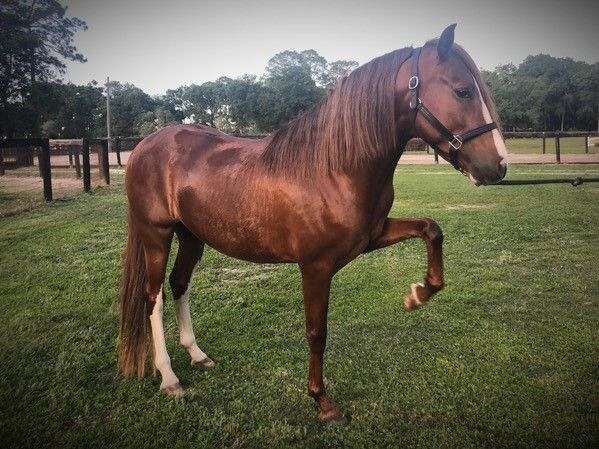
(87, 185)
(70, 158)
(45, 169)
(558, 158)
(586, 144)
(39, 163)
(77, 164)
(104, 162)
(543, 148)
(436, 155)
(118, 151)
(1, 163)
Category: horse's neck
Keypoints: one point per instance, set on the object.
(371, 180)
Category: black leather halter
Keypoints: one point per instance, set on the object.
(455, 140)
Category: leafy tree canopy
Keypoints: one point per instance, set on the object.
(36, 37)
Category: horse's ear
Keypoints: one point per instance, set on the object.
(445, 42)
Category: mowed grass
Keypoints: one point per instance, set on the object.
(568, 145)
(506, 356)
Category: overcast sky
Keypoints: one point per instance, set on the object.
(159, 45)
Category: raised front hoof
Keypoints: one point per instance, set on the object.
(175, 390)
(415, 298)
(205, 363)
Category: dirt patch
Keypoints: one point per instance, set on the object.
(15, 184)
(251, 273)
(469, 206)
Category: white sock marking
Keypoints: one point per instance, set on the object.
(186, 336)
(415, 291)
(162, 361)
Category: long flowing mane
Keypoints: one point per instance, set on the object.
(355, 122)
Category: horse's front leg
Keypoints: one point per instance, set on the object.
(316, 284)
(395, 230)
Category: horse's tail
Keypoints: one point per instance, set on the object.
(134, 329)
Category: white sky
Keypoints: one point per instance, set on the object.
(159, 45)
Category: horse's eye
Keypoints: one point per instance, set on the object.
(464, 93)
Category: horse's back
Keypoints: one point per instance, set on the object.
(182, 138)
(173, 156)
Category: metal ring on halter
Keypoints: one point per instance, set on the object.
(415, 103)
(413, 83)
(455, 143)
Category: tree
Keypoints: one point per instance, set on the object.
(337, 70)
(289, 91)
(323, 73)
(198, 103)
(544, 92)
(70, 111)
(127, 103)
(151, 121)
(246, 104)
(36, 37)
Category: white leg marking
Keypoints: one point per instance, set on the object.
(415, 291)
(162, 361)
(186, 336)
(497, 140)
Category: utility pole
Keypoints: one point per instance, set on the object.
(108, 117)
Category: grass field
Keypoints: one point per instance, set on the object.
(506, 356)
(568, 145)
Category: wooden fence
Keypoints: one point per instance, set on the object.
(75, 148)
(557, 135)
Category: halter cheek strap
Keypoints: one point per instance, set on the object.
(455, 140)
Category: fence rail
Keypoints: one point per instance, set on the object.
(541, 134)
(557, 135)
(44, 153)
(76, 147)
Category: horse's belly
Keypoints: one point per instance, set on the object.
(254, 239)
(265, 222)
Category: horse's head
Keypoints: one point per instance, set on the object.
(451, 94)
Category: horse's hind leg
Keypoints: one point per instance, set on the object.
(157, 245)
(189, 254)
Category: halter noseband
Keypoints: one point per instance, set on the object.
(455, 140)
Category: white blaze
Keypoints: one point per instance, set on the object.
(499, 143)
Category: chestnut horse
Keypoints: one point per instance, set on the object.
(316, 192)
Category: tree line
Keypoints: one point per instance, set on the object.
(36, 38)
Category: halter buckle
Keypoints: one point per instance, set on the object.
(413, 82)
(415, 103)
(455, 143)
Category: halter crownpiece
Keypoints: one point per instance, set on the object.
(455, 140)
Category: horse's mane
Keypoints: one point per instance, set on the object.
(353, 123)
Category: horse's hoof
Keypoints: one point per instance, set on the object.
(333, 418)
(206, 363)
(413, 300)
(175, 390)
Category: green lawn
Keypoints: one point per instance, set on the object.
(506, 356)
(568, 145)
